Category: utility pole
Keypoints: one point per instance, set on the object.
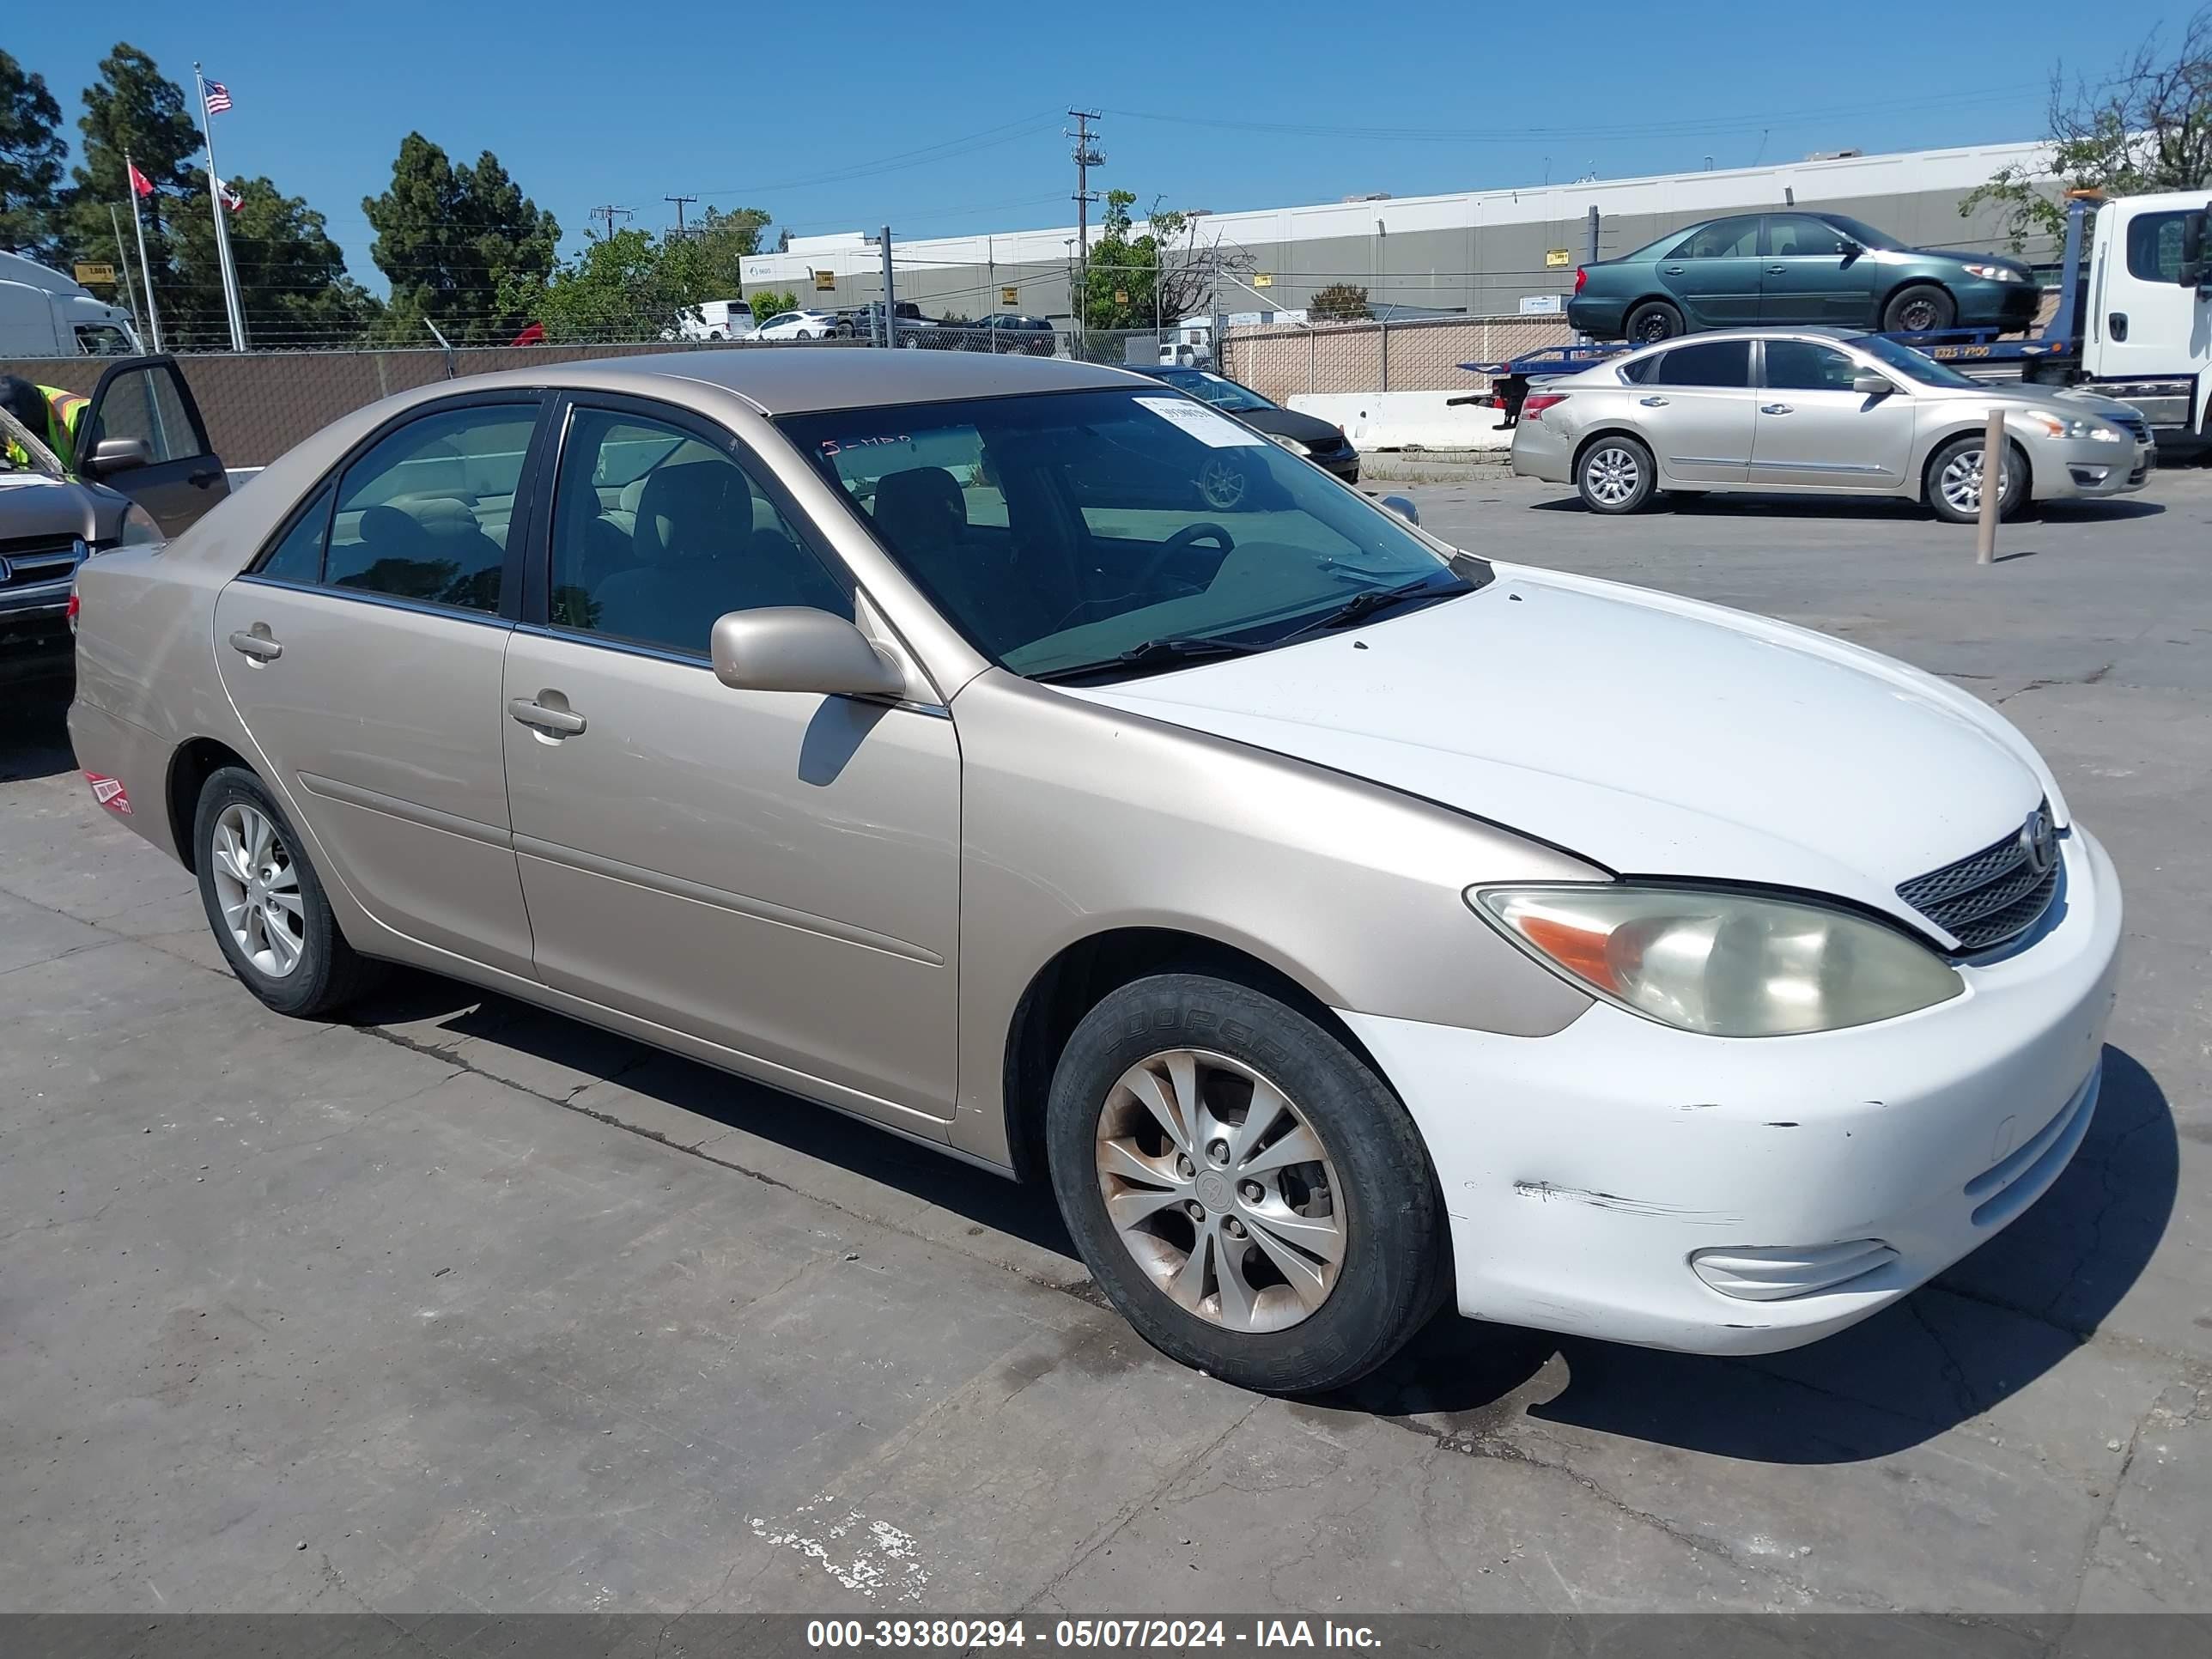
(679, 201)
(607, 212)
(1087, 156)
(890, 294)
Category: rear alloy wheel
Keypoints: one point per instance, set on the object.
(1614, 475)
(1919, 309)
(1954, 480)
(1251, 1196)
(266, 903)
(1653, 320)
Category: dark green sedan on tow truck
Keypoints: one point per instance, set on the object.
(1797, 269)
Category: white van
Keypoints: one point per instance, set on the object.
(715, 319)
(44, 314)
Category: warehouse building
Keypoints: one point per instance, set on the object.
(1492, 253)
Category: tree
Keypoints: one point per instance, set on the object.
(31, 152)
(619, 288)
(292, 277)
(1169, 273)
(133, 107)
(462, 246)
(705, 261)
(2147, 126)
(1340, 303)
(767, 304)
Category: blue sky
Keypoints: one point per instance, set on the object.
(944, 118)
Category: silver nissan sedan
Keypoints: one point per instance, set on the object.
(1043, 766)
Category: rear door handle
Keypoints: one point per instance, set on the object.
(1673, 270)
(1653, 403)
(1778, 270)
(1776, 408)
(256, 644)
(553, 722)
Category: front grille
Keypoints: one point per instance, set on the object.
(2134, 425)
(27, 563)
(1986, 897)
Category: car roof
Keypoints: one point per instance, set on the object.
(801, 379)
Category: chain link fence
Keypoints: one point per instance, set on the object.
(1282, 360)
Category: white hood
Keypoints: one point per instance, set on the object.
(1652, 735)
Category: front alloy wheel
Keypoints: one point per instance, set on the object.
(1220, 1190)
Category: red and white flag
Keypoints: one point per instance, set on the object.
(231, 197)
(218, 98)
(139, 181)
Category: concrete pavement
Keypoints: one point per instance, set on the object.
(459, 1307)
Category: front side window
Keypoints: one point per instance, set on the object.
(1060, 531)
(1724, 239)
(103, 340)
(2154, 246)
(424, 515)
(1801, 366)
(1799, 235)
(299, 557)
(1710, 363)
(657, 532)
(145, 404)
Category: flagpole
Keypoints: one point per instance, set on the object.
(130, 283)
(145, 269)
(222, 231)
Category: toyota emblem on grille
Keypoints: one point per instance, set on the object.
(2038, 845)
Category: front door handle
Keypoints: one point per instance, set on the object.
(1778, 270)
(553, 722)
(2118, 323)
(1653, 403)
(256, 643)
(1776, 408)
(205, 477)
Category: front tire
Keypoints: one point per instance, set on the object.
(266, 903)
(1616, 476)
(1919, 309)
(1652, 321)
(1954, 488)
(1251, 1197)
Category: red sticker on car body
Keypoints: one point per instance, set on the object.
(109, 792)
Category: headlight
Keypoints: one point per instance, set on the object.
(139, 528)
(1291, 444)
(1992, 273)
(2058, 426)
(1722, 963)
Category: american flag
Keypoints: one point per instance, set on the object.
(218, 98)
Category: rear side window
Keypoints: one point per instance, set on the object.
(1642, 369)
(424, 515)
(1724, 239)
(299, 557)
(1711, 362)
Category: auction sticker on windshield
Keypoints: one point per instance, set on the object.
(1202, 423)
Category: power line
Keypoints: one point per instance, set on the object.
(607, 212)
(679, 201)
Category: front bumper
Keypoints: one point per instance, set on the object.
(1584, 1171)
(2075, 468)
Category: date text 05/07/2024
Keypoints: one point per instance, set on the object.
(1141, 1634)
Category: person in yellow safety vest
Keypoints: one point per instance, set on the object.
(50, 413)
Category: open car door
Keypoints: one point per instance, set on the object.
(142, 435)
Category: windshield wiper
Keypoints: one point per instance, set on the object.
(1360, 606)
(1152, 654)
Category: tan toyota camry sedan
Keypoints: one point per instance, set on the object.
(1050, 768)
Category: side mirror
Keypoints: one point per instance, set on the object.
(1851, 247)
(118, 455)
(796, 648)
(1868, 384)
(1402, 506)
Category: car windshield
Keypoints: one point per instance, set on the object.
(1861, 232)
(1913, 365)
(1117, 531)
(1212, 389)
(24, 451)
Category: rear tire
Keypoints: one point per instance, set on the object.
(1239, 1070)
(1615, 475)
(1653, 320)
(1919, 308)
(1952, 489)
(266, 904)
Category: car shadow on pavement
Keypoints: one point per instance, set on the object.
(1983, 1331)
(453, 1013)
(34, 730)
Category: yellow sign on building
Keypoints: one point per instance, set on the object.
(825, 281)
(1263, 279)
(1558, 256)
(97, 276)
(1010, 296)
